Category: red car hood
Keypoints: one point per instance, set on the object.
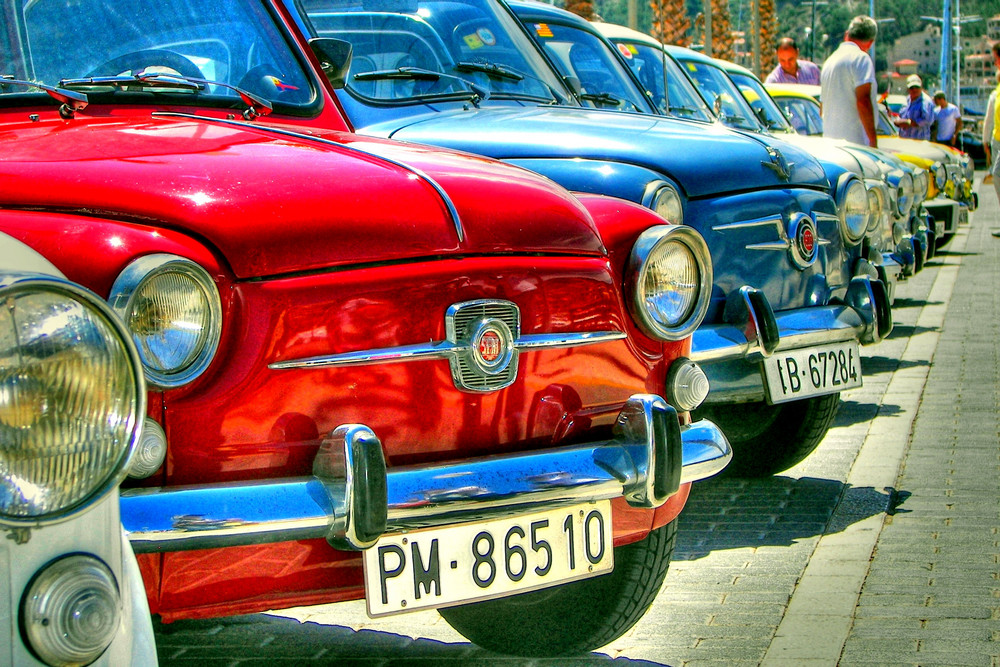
(273, 202)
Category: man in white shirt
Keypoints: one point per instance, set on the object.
(848, 85)
(948, 119)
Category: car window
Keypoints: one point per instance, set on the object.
(653, 67)
(233, 42)
(583, 55)
(409, 50)
(722, 95)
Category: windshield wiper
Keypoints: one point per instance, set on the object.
(421, 74)
(497, 71)
(69, 101)
(603, 98)
(256, 106)
(490, 70)
(690, 111)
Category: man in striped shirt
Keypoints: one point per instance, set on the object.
(790, 69)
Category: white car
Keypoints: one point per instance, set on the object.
(72, 402)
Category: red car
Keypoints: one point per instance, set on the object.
(376, 370)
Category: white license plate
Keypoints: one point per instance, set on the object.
(812, 371)
(438, 567)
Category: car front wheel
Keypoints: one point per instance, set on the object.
(574, 618)
(767, 439)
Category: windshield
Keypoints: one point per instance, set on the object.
(234, 42)
(414, 50)
(722, 95)
(761, 103)
(652, 67)
(577, 53)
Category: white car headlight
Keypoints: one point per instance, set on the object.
(968, 168)
(904, 197)
(666, 201)
(670, 281)
(852, 205)
(70, 395)
(876, 207)
(172, 308)
(921, 182)
(940, 175)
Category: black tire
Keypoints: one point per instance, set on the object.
(574, 618)
(944, 239)
(767, 439)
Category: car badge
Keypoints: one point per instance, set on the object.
(778, 164)
(490, 346)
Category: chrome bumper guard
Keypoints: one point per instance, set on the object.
(753, 331)
(352, 498)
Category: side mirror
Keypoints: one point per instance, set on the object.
(334, 57)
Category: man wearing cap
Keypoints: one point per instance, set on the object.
(948, 119)
(790, 69)
(915, 119)
(847, 83)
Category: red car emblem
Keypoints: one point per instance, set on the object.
(490, 346)
(808, 241)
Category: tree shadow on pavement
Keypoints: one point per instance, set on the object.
(855, 412)
(875, 365)
(732, 513)
(909, 330)
(903, 302)
(261, 639)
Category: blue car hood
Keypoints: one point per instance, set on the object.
(705, 160)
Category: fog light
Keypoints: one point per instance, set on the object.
(71, 611)
(150, 451)
(687, 385)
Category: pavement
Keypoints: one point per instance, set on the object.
(881, 548)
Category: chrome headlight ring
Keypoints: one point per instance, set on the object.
(173, 310)
(669, 281)
(904, 197)
(71, 399)
(968, 168)
(878, 196)
(852, 207)
(940, 175)
(921, 183)
(665, 200)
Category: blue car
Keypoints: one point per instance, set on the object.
(788, 307)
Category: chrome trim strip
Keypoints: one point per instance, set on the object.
(542, 341)
(449, 204)
(445, 350)
(641, 463)
(772, 220)
(773, 245)
(440, 350)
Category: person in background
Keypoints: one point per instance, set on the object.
(790, 69)
(948, 119)
(991, 132)
(915, 119)
(848, 85)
